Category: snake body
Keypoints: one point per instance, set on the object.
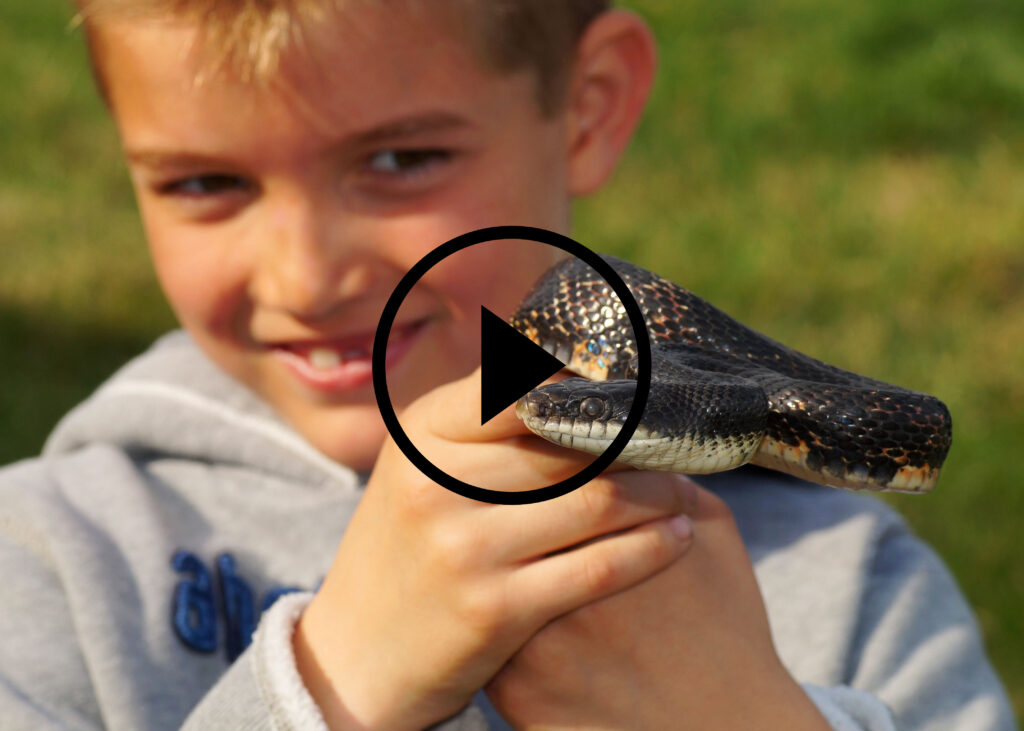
(721, 393)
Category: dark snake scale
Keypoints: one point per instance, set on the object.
(721, 394)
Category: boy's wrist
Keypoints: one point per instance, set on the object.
(777, 696)
(315, 676)
(354, 698)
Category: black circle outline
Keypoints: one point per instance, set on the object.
(387, 320)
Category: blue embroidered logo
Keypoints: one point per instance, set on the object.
(195, 604)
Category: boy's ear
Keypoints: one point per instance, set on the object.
(610, 81)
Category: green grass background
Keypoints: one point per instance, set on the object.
(846, 177)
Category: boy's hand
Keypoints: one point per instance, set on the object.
(431, 593)
(688, 648)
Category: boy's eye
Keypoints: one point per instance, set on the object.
(207, 196)
(406, 162)
(197, 186)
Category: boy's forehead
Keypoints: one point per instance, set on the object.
(380, 64)
(380, 35)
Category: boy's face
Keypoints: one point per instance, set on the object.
(281, 219)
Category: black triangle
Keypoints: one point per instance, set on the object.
(510, 365)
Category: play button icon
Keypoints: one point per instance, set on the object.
(510, 365)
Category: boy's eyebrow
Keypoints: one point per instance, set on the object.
(415, 124)
(395, 129)
(160, 159)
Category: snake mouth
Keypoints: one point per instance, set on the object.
(646, 450)
(546, 417)
(575, 414)
(549, 420)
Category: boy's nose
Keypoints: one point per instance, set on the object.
(306, 271)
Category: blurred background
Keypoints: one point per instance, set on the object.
(845, 177)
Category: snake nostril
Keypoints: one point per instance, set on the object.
(591, 407)
(537, 405)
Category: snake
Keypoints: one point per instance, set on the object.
(722, 394)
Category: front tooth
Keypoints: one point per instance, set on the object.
(324, 358)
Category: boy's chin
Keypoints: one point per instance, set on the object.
(353, 439)
(354, 445)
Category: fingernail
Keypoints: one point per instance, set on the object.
(681, 527)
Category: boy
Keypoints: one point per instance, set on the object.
(292, 160)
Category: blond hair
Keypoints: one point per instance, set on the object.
(250, 36)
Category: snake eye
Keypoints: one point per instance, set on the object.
(591, 407)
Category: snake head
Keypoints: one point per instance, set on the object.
(578, 413)
(579, 399)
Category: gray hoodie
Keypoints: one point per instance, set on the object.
(154, 560)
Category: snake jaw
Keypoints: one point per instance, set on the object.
(573, 413)
(647, 450)
(587, 416)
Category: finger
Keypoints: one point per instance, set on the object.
(607, 505)
(455, 412)
(517, 464)
(563, 582)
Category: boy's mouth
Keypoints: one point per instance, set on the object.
(345, 363)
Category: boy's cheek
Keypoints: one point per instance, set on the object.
(205, 288)
(496, 274)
